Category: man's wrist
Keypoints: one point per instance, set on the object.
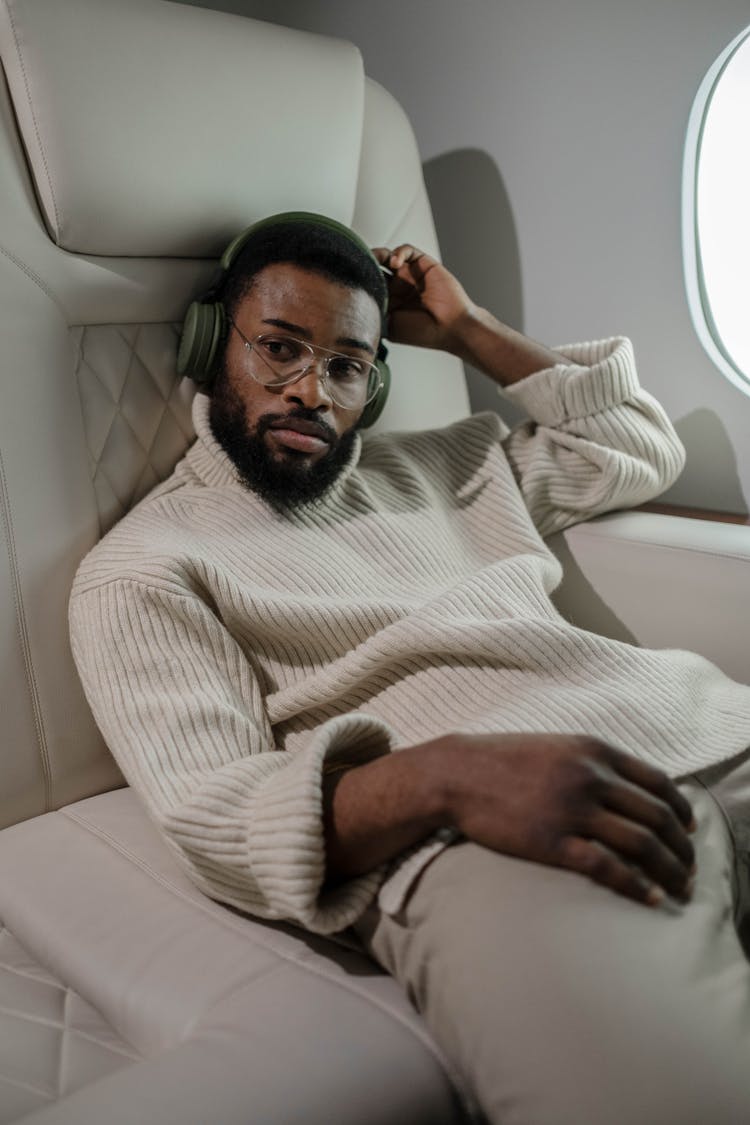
(436, 761)
(374, 811)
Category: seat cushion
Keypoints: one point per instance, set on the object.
(51, 1041)
(205, 1010)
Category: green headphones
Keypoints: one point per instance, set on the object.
(206, 322)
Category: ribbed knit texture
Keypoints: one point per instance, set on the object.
(228, 650)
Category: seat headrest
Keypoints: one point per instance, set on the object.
(124, 176)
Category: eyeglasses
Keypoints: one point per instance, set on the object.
(274, 360)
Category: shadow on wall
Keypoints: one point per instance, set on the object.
(478, 243)
(579, 602)
(719, 488)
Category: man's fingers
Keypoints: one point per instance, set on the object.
(396, 258)
(597, 862)
(419, 261)
(404, 253)
(637, 804)
(651, 778)
(641, 847)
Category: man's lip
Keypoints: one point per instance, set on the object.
(302, 427)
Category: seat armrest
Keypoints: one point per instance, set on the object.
(661, 582)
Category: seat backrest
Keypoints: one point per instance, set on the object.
(135, 141)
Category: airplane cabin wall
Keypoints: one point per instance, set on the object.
(552, 135)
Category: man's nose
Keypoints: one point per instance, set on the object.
(310, 388)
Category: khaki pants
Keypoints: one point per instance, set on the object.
(560, 1003)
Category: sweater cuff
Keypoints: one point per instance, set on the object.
(285, 834)
(601, 375)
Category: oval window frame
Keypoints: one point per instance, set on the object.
(698, 302)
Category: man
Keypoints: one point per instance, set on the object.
(332, 670)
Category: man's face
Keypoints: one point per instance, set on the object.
(248, 418)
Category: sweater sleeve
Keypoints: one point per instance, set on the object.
(182, 712)
(595, 440)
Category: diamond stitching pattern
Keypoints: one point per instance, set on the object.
(136, 410)
(52, 1041)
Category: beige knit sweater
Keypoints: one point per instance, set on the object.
(229, 651)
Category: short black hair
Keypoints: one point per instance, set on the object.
(311, 246)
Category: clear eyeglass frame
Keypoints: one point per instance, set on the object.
(329, 357)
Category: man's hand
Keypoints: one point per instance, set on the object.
(565, 800)
(573, 801)
(427, 306)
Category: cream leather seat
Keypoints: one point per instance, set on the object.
(135, 140)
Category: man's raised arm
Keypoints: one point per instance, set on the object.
(595, 441)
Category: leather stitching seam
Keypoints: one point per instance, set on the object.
(641, 542)
(403, 215)
(33, 115)
(61, 1054)
(33, 277)
(65, 1027)
(28, 1087)
(23, 637)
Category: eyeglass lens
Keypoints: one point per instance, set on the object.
(275, 360)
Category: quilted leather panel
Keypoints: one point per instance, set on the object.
(51, 1041)
(136, 410)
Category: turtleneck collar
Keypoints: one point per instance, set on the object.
(216, 469)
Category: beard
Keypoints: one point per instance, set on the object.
(286, 480)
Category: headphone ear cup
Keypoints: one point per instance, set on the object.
(202, 333)
(374, 409)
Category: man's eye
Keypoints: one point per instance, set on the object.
(342, 367)
(279, 349)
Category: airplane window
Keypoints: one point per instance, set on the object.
(716, 212)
